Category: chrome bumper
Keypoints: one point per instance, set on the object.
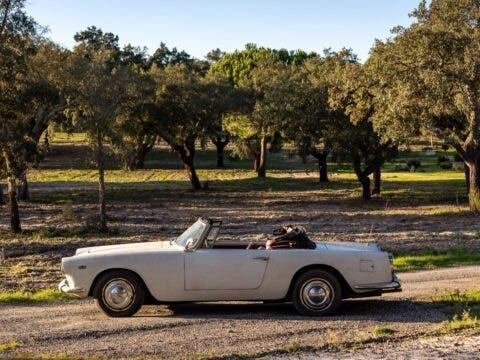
(64, 287)
(393, 286)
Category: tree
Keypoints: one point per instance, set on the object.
(238, 68)
(352, 102)
(180, 113)
(222, 99)
(310, 125)
(214, 55)
(17, 31)
(135, 134)
(429, 76)
(95, 93)
(269, 85)
(164, 56)
(44, 96)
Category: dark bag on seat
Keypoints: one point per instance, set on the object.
(293, 237)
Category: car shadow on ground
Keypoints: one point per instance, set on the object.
(402, 311)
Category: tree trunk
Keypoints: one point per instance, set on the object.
(187, 155)
(262, 165)
(143, 150)
(141, 159)
(366, 194)
(13, 205)
(474, 186)
(362, 176)
(220, 145)
(2, 198)
(322, 165)
(256, 162)
(136, 161)
(192, 175)
(23, 190)
(467, 176)
(102, 224)
(377, 181)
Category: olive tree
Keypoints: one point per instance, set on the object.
(95, 93)
(428, 78)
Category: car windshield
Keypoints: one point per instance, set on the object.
(194, 233)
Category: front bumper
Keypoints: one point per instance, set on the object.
(78, 292)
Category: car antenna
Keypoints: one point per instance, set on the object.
(371, 233)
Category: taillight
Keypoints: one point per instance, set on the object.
(390, 258)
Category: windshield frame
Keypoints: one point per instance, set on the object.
(183, 238)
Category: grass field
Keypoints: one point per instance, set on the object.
(422, 217)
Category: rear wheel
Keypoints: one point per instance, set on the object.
(119, 293)
(316, 293)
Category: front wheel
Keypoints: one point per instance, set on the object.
(316, 293)
(119, 293)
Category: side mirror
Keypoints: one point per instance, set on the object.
(189, 245)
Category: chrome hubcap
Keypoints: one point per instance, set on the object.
(118, 294)
(317, 294)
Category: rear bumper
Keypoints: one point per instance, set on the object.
(394, 286)
(78, 292)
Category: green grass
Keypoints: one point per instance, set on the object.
(461, 322)
(431, 259)
(41, 296)
(464, 308)
(10, 345)
(383, 330)
(69, 138)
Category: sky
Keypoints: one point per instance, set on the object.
(197, 26)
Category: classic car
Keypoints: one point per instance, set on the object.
(199, 266)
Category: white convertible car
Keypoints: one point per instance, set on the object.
(199, 267)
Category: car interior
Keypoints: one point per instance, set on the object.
(287, 237)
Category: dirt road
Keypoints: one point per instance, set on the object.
(78, 329)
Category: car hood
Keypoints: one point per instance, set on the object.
(143, 246)
(349, 246)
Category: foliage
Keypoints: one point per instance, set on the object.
(10, 345)
(383, 330)
(47, 295)
(464, 307)
(413, 165)
(430, 259)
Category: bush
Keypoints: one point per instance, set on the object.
(413, 165)
(446, 165)
(443, 158)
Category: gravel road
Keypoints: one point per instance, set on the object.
(215, 329)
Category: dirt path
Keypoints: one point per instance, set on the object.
(224, 328)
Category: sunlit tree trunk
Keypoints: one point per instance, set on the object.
(187, 155)
(262, 165)
(474, 186)
(102, 224)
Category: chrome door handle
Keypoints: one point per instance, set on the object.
(264, 258)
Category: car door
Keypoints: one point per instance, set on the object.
(225, 269)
